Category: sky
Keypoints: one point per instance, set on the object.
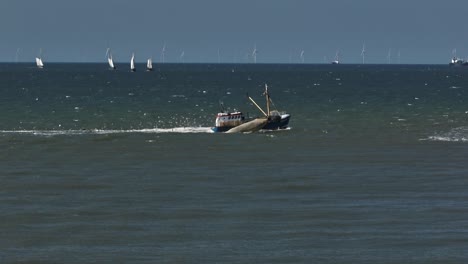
(396, 31)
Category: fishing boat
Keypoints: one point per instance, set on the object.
(271, 120)
(132, 63)
(149, 65)
(39, 62)
(110, 60)
(458, 62)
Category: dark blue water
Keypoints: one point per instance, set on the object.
(108, 166)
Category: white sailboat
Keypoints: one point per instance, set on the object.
(39, 62)
(109, 59)
(149, 64)
(132, 63)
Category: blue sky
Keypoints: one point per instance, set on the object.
(422, 31)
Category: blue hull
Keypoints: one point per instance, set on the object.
(280, 124)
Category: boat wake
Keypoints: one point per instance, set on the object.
(180, 130)
(274, 130)
(459, 134)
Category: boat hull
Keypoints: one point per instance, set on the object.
(221, 129)
(251, 126)
(280, 123)
(272, 124)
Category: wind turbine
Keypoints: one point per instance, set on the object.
(219, 57)
(254, 53)
(17, 55)
(302, 56)
(182, 56)
(363, 53)
(163, 53)
(337, 57)
(399, 56)
(389, 56)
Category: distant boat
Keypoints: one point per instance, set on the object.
(132, 63)
(458, 62)
(149, 65)
(39, 62)
(455, 61)
(109, 59)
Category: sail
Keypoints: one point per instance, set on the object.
(39, 62)
(132, 63)
(111, 62)
(149, 64)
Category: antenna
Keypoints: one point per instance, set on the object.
(221, 105)
(363, 52)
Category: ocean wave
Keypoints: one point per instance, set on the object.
(459, 134)
(448, 139)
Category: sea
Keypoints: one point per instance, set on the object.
(113, 166)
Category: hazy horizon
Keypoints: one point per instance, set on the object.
(422, 32)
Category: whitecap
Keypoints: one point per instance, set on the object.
(459, 134)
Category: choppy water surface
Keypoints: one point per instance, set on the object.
(112, 166)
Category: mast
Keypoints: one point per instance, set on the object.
(267, 96)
